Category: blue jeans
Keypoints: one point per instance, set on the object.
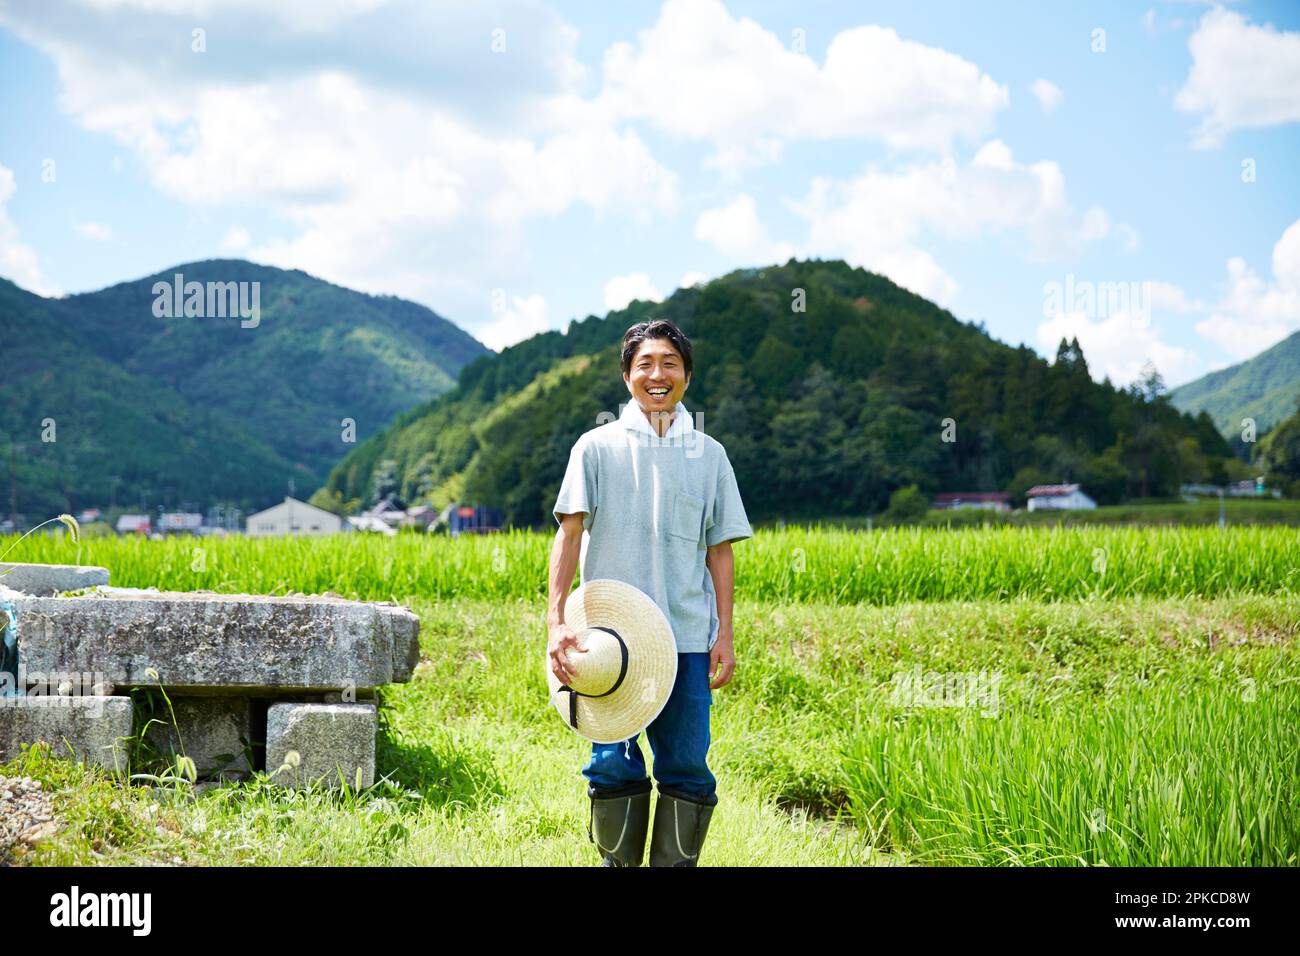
(679, 740)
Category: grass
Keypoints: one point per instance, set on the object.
(1128, 730)
(794, 565)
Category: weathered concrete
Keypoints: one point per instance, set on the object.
(328, 738)
(87, 727)
(214, 732)
(48, 579)
(231, 644)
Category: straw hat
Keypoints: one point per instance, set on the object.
(625, 664)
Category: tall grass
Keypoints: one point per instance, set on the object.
(795, 564)
(1161, 777)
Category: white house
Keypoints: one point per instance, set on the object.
(292, 516)
(1058, 498)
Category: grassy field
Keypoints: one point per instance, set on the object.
(881, 713)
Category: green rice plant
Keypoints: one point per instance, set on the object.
(1157, 777)
(797, 564)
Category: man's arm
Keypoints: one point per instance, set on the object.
(722, 659)
(564, 564)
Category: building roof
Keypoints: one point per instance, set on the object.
(1051, 491)
(308, 509)
(973, 496)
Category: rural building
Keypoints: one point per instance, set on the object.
(134, 524)
(180, 522)
(470, 519)
(292, 516)
(1058, 498)
(370, 523)
(990, 500)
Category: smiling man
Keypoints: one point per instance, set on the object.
(660, 506)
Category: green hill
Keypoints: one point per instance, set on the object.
(1264, 388)
(200, 409)
(823, 412)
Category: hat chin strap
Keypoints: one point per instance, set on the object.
(622, 673)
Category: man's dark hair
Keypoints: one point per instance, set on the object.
(658, 329)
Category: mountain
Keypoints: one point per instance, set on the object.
(146, 407)
(1264, 388)
(823, 410)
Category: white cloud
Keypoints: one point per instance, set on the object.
(402, 155)
(700, 73)
(94, 231)
(878, 220)
(18, 260)
(1117, 346)
(735, 231)
(236, 239)
(622, 290)
(517, 318)
(1242, 76)
(1254, 314)
(692, 279)
(1048, 94)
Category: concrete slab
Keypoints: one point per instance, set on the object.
(49, 579)
(214, 732)
(225, 644)
(329, 739)
(88, 728)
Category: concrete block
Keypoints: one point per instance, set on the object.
(328, 738)
(47, 579)
(212, 731)
(206, 643)
(88, 728)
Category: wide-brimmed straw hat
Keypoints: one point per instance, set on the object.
(625, 664)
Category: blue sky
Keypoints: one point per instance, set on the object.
(517, 164)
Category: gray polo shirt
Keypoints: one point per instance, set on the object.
(653, 506)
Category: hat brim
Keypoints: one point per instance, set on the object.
(651, 669)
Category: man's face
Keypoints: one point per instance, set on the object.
(657, 379)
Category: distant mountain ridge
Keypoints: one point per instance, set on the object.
(198, 408)
(830, 387)
(1264, 388)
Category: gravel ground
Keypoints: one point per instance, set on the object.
(25, 815)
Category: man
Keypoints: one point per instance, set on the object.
(660, 506)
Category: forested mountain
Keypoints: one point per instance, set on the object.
(161, 410)
(1264, 388)
(823, 411)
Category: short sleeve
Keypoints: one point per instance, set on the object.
(727, 522)
(579, 491)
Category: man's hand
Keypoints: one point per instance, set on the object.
(561, 639)
(722, 661)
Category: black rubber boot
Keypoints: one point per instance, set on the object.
(681, 822)
(619, 821)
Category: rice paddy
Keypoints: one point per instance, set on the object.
(1005, 696)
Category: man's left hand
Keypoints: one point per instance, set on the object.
(722, 662)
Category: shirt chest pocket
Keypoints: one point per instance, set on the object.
(687, 517)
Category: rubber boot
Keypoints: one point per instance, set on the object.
(681, 822)
(619, 821)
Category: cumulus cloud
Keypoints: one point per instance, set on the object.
(1242, 76)
(692, 279)
(94, 231)
(1254, 314)
(620, 291)
(1117, 346)
(517, 318)
(700, 73)
(1048, 94)
(404, 146)
(236, 239)
(878, 220)
(17, 259)
(736, 232)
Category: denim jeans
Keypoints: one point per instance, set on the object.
(679, 739)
